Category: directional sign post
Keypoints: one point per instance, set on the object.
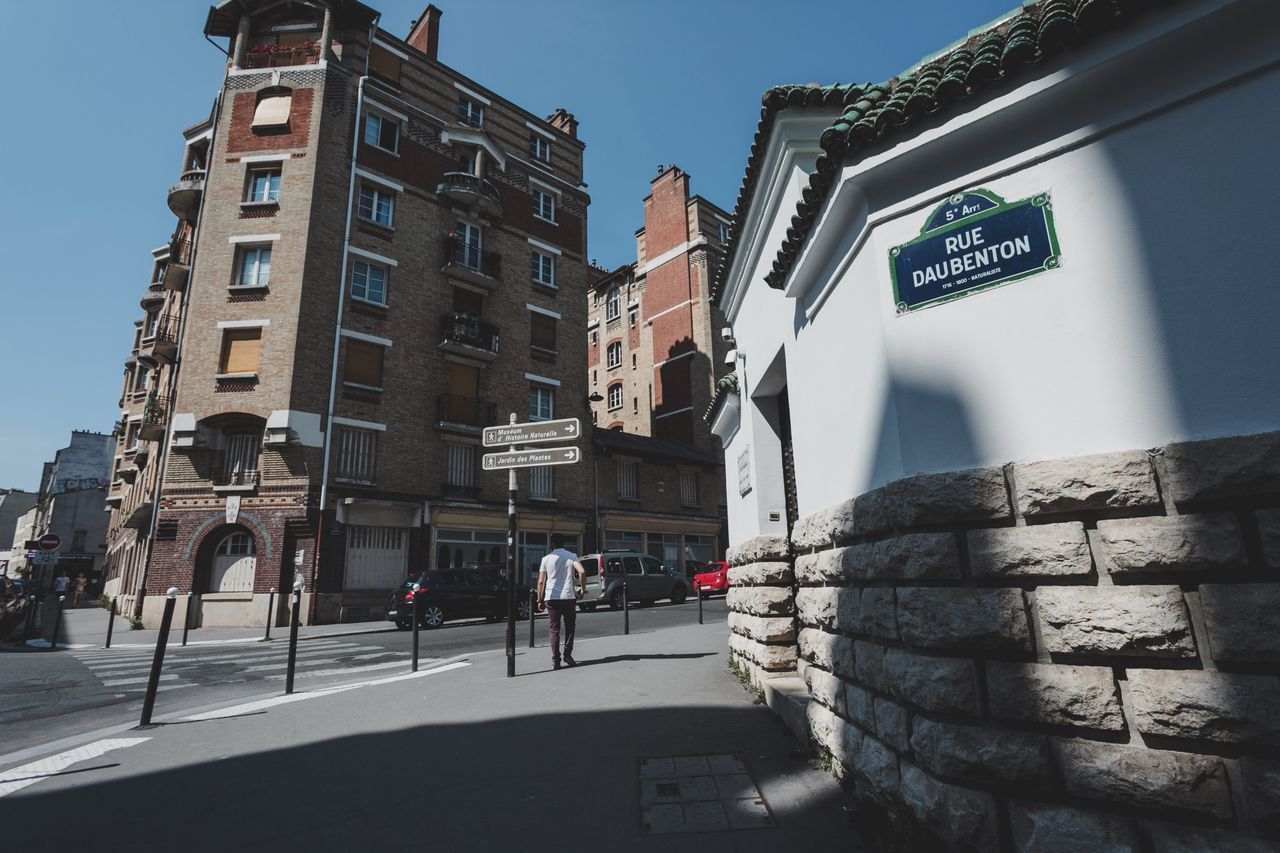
(532, 458)
(566, 429)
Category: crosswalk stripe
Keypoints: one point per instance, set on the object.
(283, 664)
(185, 660)
(147, 654)
(343, 671)
(117, 682)
(29, 774)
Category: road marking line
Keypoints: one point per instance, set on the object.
(29, 774)
(116, 682)
(181, 651)
(115, 668)
(344, 670)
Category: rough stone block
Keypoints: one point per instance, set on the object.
(1103, 481)
(877, 613)
(1042, 550)
(758, 549)
(850, 746)
(826, 688)
(1135, 621)
(1146, 778)
(1213, 706)
(1269, 531)
(818, 606)
(823, 527)
(965, 817)
(1224, 467)
(976, 494)
(990, 620)
(761, 574)
(824, 726)
(1083, 696)
(911, 556)
(1040, 828)
(822, 567)
(868, 662)
(859, 704)
(1181, 543)
(776, 629)
(762, 601)
(774, 658)
(822, 649)
(932, 683)
(877, 766)
(1243, 621)
(893, 724)
(1262, 792)
(1185, 839)
(982, 755)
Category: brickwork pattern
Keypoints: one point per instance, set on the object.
(1069, 654)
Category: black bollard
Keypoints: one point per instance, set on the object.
(626, 611)
(271, 604)
(533, 609)
(186, 619)
(153, 680)
(293, 641)
(699, 594)
(30, 627)
(57, 623)
(111, 622)
(417, 622)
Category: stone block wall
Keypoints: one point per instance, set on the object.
(1075, 654)
(762, 608)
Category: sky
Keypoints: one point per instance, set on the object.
(97, 95)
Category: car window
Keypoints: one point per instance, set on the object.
(613, 566)
(591, 567)
(653, 567)
(632, 565)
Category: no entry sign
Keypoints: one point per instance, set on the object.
(50, 542)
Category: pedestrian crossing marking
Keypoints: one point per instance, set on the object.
(29, 774)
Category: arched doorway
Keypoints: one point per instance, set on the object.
(234, 564)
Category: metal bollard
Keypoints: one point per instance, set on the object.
(186, 618)
(111, 622)
(293, 641)
(533, 611)
(30, 627)
(417, 622)
(153, 680)
(271, 612)
(626, 611)
(698, 592)
(57, 623)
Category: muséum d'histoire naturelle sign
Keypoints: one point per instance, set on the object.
(973, 241)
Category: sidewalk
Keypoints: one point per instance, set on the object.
(649, 744)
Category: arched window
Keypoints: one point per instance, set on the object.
(615, 396)
(234, 564)
(614, 355)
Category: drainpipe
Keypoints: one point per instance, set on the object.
(337, 332)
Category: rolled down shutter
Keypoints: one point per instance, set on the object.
(364, 363)
(240, 350)
(542, 331)
(272, 112)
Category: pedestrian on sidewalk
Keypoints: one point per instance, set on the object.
(61, 582)
(559, 595)
(77, 590)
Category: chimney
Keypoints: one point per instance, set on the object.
(425, 33)
(564, 121)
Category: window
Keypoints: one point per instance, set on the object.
(594, 377)
(544, 269)
(468, 245)
(595, 338)
(544, 205)
(460, 461)
(469, 112)
(540, 148)
(376, 205)
(627, 481)
(241, 349)
(632, 315)
(542, 403)
(701, 548)
(724, 233)
(255, 266)
(542, 482)
(689, 488)
(633, 361)
(613, 355)
(272, 111)
(363, 364)
(542, 332)
(382, 132)
(369, 282)
(355, 453)
(264, 185)
(635, 405)
(78, 538)
(240, 459)
(150, 323)
(140, 375)
(615, 396)
(613, 306)
(617, 540)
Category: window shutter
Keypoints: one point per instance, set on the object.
(272, 112)
(543, 331)
(363, 364)
(240, 350)
(384, 63)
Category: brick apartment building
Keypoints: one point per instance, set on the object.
(654, 354)
(378, 257)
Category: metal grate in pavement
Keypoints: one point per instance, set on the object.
(699, 793)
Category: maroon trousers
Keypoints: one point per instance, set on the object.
(566, 608)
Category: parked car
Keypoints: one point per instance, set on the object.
(646, 578)
(712, 578)
(447, 594)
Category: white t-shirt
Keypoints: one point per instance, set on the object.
(561, 578)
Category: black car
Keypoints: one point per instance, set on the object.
(445, 594)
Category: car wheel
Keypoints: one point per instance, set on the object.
(522, 609)
(403, 624)
(678, 594)
(432, 616)
(615, 601)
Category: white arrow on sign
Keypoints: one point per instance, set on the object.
(531, 458)
(565, 429)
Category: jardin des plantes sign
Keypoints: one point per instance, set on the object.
(973, 241)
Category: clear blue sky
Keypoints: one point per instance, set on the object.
(98, 93)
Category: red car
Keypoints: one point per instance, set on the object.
(713, 578)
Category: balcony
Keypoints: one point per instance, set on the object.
(470, 191)
(275, 56)
(161, 345)
(452, 490)
(467, 262)
(463, 414)
(184, 196)
(178, 268)
(128, 473)
(236, 481)
(139, 516)
(154, 412)
(466, 334)
(152, 297)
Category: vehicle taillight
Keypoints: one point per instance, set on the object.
(408, 596)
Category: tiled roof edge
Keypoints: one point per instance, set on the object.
(727, 385)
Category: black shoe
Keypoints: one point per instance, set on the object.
(568, 659)
(556, 664)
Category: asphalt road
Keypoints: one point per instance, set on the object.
(45, 696)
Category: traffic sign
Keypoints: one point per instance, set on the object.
(565, 429)
(531, 458)
(50, 542)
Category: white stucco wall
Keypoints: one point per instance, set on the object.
(1160, 324)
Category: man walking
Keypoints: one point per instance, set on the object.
(557, 593)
